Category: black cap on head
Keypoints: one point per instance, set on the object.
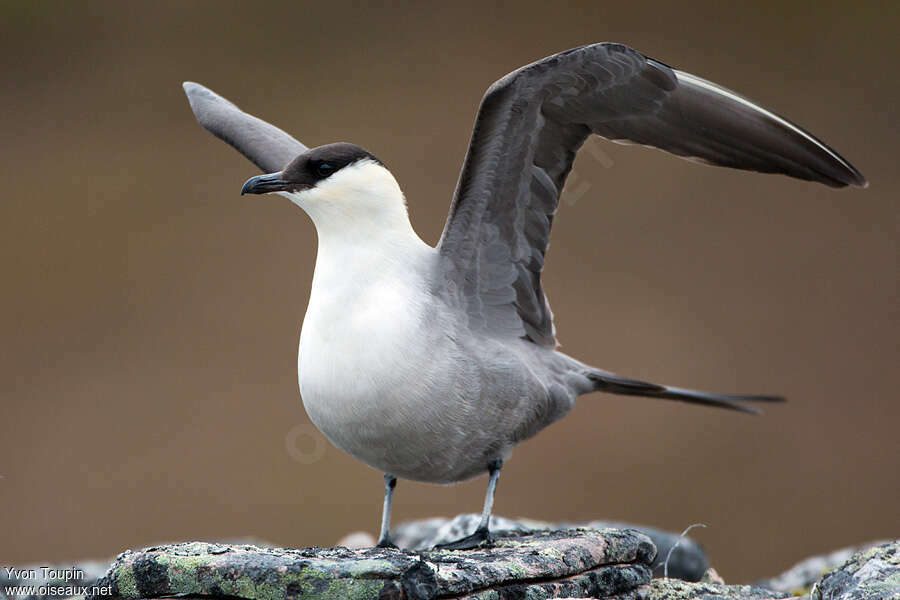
(309, 168)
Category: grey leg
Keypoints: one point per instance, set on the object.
(384, 539)
(482, 534)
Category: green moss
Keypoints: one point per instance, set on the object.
(124, 578)
(515, 569)
(349, 589)
(246, 587)
(183, 574)
(317, 583)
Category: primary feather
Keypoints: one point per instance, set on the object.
(529, 127)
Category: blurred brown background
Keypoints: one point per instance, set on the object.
(150, 315)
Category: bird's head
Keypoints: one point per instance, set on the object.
(338, 185)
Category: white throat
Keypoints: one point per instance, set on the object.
(369, 256)
(363, 227)
(361, 204)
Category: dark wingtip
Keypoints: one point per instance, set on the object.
(849, 175)
(761, 398)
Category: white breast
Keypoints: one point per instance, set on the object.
(364, 360)
(377, 371)
(356, 334)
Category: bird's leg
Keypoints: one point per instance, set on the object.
(482, 534)
(384, 539)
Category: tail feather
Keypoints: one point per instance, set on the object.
(608, 382)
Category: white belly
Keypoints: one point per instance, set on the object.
(352, 358)
(372, 373)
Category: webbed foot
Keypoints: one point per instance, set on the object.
(481, 537)
(386, 542)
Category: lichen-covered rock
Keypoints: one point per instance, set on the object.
(871, 574)
(799, 579)
(675, 589)
(712, 576)
(688, 561)
(549, 564)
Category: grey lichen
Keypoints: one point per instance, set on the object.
(613, 564)
(870, 574)
(799, 579)
(676, 589)
(548, 564)
(687, 561)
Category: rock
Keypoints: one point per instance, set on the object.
(529, 561)
(871, 574)
(688, 561)
(799, 579)
(712, 576)
(675, 589)
(547, 564)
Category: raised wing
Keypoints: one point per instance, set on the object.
(530, 125)
(268, 147)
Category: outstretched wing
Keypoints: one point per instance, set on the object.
(530, 125)
(268, 147)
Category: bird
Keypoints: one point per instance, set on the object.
(430, 363)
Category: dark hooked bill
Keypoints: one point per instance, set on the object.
(263, 184)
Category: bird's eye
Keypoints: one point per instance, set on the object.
(324, 169)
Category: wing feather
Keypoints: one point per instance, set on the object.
(529, 127)
(268, 147)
